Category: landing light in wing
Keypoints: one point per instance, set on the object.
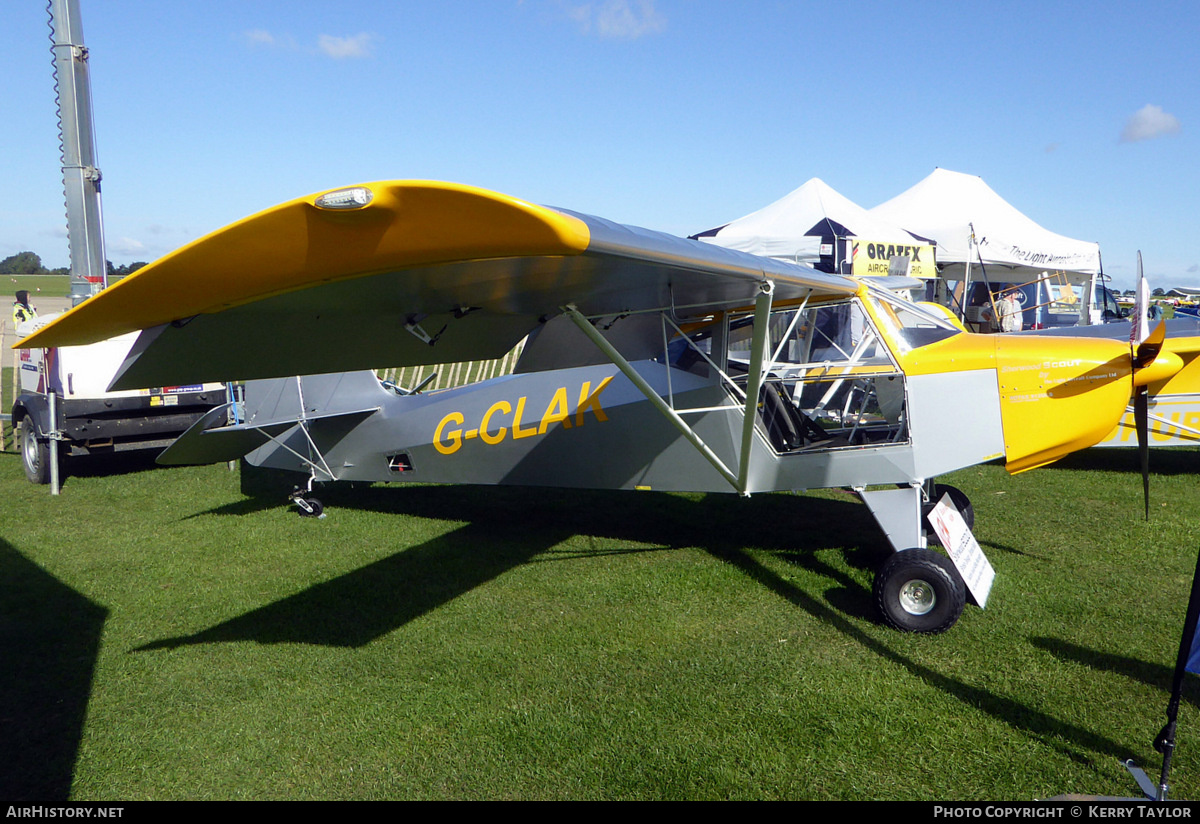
(355, 197)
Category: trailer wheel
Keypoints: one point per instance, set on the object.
(919, 590)
(35, 452)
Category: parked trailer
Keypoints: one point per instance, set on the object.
(63, 406)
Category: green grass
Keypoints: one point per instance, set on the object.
(53, 286)
(166, 635)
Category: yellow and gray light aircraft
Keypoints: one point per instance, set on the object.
(652, 362)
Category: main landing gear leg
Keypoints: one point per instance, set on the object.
(916, 589)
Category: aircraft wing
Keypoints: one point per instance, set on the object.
(399, 273)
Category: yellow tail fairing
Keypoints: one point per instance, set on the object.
(298, 244)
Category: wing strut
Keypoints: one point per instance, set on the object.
(758, 346)
(646, 389)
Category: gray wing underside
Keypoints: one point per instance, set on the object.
(463, 311)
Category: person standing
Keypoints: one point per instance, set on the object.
(22, 310)
(1009, 317)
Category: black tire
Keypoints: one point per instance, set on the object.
(919, 590)
(314, 510)
(35, 452)
(961, 502)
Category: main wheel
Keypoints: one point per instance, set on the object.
(919, 590)
(957, 497)
(35, 453)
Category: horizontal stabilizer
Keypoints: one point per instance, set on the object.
(191, 448)
(206, 442)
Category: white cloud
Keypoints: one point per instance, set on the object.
(259, 37)
(127, 246)
(263, 39)
(1148, 122)
(343, 47)
(619, 19)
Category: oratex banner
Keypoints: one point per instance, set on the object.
(873, 258)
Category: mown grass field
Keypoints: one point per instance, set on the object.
(54, 286)
(182, 634)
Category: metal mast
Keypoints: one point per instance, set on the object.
(81, 177)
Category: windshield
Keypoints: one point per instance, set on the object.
(910, 326)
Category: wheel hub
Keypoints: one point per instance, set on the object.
(917, 597)
(29, 448)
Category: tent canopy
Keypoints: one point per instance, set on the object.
(795, 226)
(946, 205)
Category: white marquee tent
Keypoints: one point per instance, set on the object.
(795, 226)
(946, 205)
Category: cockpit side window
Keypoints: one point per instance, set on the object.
(830, 378)
(830, 381)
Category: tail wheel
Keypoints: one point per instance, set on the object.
(919, 590)
(310, 508)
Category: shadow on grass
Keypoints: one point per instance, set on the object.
(1051, 731)
(1167, 460)
(101, 465)
(356, 608)
(506, 527)
(1158, 676)
(1008, 549)
(49, 641)
(776, 521)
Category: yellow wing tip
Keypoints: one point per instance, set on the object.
(389, 194)
(306, 241)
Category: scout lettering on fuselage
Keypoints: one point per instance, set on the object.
(449, 435)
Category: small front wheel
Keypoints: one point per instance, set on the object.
(919, 590)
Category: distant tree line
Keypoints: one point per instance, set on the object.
(28, 263)
(127, 269)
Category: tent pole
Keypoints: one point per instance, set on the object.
(962, 304)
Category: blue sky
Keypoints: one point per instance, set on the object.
(677, 115)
